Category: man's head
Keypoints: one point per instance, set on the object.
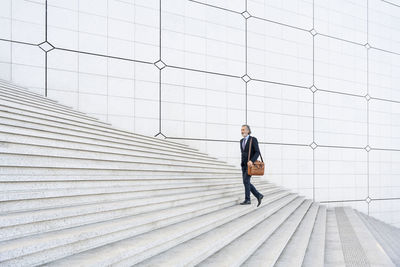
(245, 130)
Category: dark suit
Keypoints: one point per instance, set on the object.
(255, 152)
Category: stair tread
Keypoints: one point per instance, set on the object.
(21, 219)
(90, 133)
(294, 252)
(198, 249)
(268, 252)
(315, 252)
(392, 249)
(60, 120)
(59, 192)
(141, 246)
(333, 248)
(372, 250)
(87, 120)
(240, 249)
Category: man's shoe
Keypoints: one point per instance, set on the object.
(246, 202)
(259, 200)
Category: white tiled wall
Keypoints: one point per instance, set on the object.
(323, 96)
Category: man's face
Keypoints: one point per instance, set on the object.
(244, 131)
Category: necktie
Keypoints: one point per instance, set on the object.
(244, 143)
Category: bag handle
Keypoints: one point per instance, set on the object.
(248, 158)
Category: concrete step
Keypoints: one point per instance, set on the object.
(132, 225)
(15, 97)
(390, 231)
(44, 126)
(268, 252)
(239, 250)
(89, 125)
(12, 195)
(86, 144)
(84, 184)
(39, 221)
(21, 89)
(33, 99)
(113, 234)
(315, 253)
(8, 176)
(294, 252)
(136, 197)
(393, 227)
(382, 237)
(39, 161)
(20, 138)
(69, 117)
(88, 121)
(371, 249)
(137, 157)
(353, 252)
(333, 246)
(59, 120)
(49, 108)
(9, 172)
(196, 250)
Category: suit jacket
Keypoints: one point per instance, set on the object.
(255, 150)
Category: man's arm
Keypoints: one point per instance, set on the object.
(256, 150)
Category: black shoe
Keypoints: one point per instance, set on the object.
(259, 200)
(246, 202)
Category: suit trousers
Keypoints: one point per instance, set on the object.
(247, 185)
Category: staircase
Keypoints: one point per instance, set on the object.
(78, 192)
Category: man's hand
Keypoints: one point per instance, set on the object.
(249, 163)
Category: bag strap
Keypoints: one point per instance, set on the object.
(248, 158)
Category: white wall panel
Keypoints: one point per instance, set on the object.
(384, 25)
(384, 171)
(278, 53)
(205, 104)
(342, 19)
(201, 37)
(22, 20)
(384, 124)
(340, 120)
(384, 75)
(340, 174)
(296, 13)
(340, 66)
(23, 64)
(282, 114)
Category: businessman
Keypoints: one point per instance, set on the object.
(255, 152)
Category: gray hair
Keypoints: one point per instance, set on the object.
(248, 127)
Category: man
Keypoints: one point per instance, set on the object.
(255, 152)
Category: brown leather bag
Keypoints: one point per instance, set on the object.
(258, 166)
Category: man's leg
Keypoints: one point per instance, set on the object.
(246, 183)
(254, 190)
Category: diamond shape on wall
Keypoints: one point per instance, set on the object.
(313, 32)
(246, 14)
(46, 46)
(313, 145)
(160, 64)
(313, 88)
(246, 78)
